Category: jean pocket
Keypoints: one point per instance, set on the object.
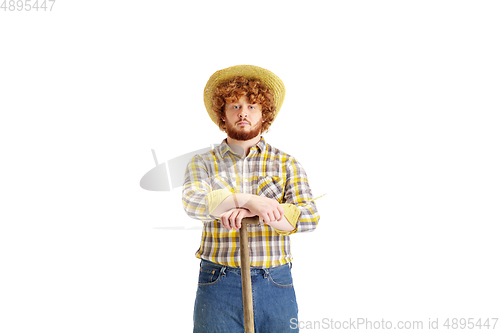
(209, 276)
(281, 276)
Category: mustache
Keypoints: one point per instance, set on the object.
(245, 120)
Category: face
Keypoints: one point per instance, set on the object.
(243, 120)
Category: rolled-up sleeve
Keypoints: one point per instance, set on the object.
(300, 209)
(197, 196)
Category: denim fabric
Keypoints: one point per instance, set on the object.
(219, 302)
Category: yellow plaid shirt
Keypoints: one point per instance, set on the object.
(265, 171)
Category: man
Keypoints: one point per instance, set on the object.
(245, 177)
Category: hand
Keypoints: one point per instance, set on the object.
(232, 218)
(267, 209)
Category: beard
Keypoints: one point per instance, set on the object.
(243, 135)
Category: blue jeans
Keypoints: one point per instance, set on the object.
(219, 302)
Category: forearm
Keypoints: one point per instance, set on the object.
(243, 200)
(235, 200)
(283, 224)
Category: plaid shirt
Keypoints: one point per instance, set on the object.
(265, 171)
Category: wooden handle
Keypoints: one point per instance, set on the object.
(251, 220)
(246, 279)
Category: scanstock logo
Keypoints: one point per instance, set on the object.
(169, 175)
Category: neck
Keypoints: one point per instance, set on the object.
(242, 146)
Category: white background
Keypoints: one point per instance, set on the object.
(391, 107)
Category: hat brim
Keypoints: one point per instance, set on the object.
(268, 78)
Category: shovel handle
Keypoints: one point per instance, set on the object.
(246, 281)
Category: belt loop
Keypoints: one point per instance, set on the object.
(266, 272)
(223, 271)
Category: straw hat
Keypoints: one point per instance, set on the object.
(250, 72)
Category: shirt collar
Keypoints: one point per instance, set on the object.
(224, 147)
(261, 145)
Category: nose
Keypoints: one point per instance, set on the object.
(243, 113)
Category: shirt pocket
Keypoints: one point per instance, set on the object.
(270, 187)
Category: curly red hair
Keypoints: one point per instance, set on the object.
(256, 92)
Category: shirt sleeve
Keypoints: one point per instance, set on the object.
(300, 209)
(198, 198)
